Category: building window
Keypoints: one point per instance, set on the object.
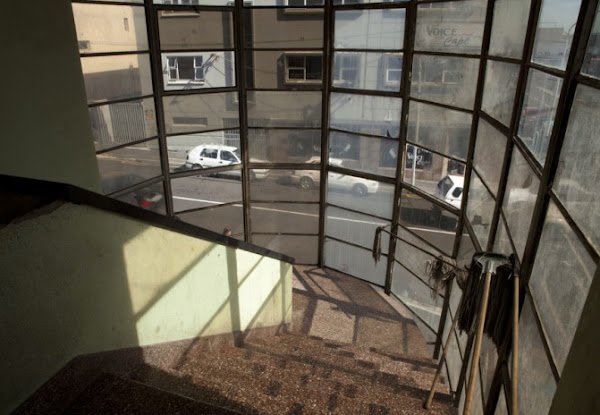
(346, 69)
(392, 65)
(184, 69)
(303, 69)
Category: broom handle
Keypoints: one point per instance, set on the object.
(427, 403)
(515, 349)
(478, 339)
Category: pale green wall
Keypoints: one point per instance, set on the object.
(80, 280)
(45, 127)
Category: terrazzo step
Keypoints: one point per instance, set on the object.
(110, 394)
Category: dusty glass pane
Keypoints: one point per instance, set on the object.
(560, 281)
(554, 33)
(591, 61)
(509, 27)
(192, 2)
(123, 122)
(442, 178)
(367, 70)
(284, 185)
(519, 200)
(536, 381)
(285, 218)
(417, 296)
(197, 70)
(187, 113)
(354, 227)
(304, 249)
(501, 408)
(365, 154)
(283, 28)
(185, 150)
(127, 166)
(343, 2)
(360, 194)
(452, 27)
(413, 259)
(354, 261)
(110, 28)
(465, 250)
(453, 357)
(288, 3)
(439, 129)
(489, 154)
(480, 209)
(284, 108)
(577, 181)
(499, 90)
(445, 79)
(218, 219)
(487, 365)
(114, 77)
(150, 198)
(369, 29)
(366, 114)
(202, 191)
(502, 243)
(539, 109)
(284, 146)
(429, 221)
(279, 69)
(195, 30)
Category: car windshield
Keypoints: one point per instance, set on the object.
(237, 153)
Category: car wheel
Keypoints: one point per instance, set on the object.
(306, 182)
(196, 166)
(359, 190)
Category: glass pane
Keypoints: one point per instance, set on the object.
(429, 221)
(536, 381)
(465, 250)
(417, 296)
(279, 69)
(122, 123)
(343, 2)
(284, 108)
(185, 150)
(452, 27)
(413, 259)
(439, 129)
(285, 185)
(354, 261)
(499, 90)
(150, 198)
(195, 70)
(289, 3)
(365, 154)
(283, 28)
(128, 166)
(218, 219)
(192, 2)
(453, 357)
(369, 29)
(187, 113)
(195, 29)
(501, 408)
(360, 194)
(480, 210)
(445, 79)
(489, 154)
(355, 228)
(591, 61)
(559, 299)
(577, 181)
(110, 28)
(366, 70)
(509, 27)
(114, 77)
(502, 243)
(284, 146)
(487, 365)
(554, 33)
(366, 114)
(304, 249)
(442, 178)
(202, 191)
(519, 200)
(285, 218)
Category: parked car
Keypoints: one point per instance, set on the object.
(359, 187)
(450, 189)
(215, 155)
(147, 198)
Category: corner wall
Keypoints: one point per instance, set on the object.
(45, 126)
(79, 280)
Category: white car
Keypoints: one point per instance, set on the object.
(450, 189)
(214, 155)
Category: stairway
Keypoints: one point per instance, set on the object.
(289, 373)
